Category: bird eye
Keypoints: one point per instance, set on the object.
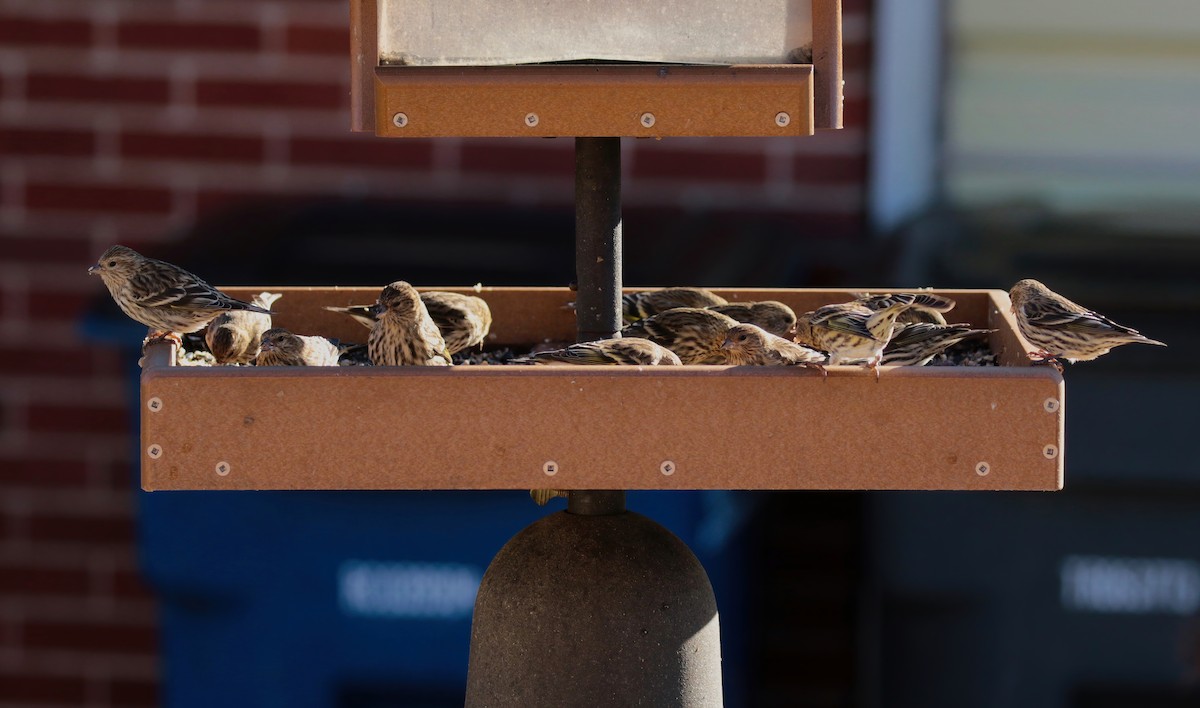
(112, 264)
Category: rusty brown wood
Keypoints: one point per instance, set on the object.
(497, 427)
(364, 57)
(827, 63)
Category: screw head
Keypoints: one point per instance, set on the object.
(154, 404)
(782, 119)
(154, 451)
(531, 120)
(667, 468)
(400, 120)
(1050, 451)
(550, 467)
(223, 468)
(1051, 405)
(647, 120)
(982, 468)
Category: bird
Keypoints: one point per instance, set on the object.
(647, 303)
(773, 316)
(926, 307)
(918, 343)
(851, 332)
(164, 297)
(694, 334)
(630, 351)
(233, 337)
(750, 345)
(1061, 329)
(403, 333)
(282, 348)
(542, 497)
(463, 320)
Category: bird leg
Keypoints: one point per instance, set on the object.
(159, 335)
(1042, 356)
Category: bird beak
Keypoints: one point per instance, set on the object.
(95, 269)
(727, 344)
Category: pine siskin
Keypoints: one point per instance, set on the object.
(162, 296)
(917, 343)
(630, 351)
(647, 303)
(1061, 329)
(750, 345)
(773, 316)
(926, 307)
(404, 334)
(463, 320)
(694, 334)
(851, 332)
(233, 337)
(542, 497)
(282, 348)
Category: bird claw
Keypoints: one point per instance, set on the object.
(158, 336)
(1044, 357)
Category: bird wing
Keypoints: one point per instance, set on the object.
(1083, 322)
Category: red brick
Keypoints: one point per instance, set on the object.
(33, 472)
(22, 687)
(91, 636)
(26, 248)
(90, 530)
(188, 35)
(29, 579)
(305, 39)
(830, 169)
(518, 157)
(854, 112)
(59, 418)
(101, 89)
(204, 148)
(34, 142)
(58, 304)
(129, 584)
(856, 57)
(700, 166)
(271, 94)
(134, 694)
(367, 150)
(30, 31)
(93, 197)
(27, 359)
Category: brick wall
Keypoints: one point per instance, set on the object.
(126, 121)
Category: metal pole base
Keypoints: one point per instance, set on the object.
(587, 609)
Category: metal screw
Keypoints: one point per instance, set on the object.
(154, 451)
(531, 119)
(223, 468)
(1051, 405)
(667, 468)
(399, 120)
(550, 467)
(647, 120)
(982, 469)
(154, 404)
(1050, 451)
(782, 119)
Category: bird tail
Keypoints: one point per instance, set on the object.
(363, 314)
(882, 322)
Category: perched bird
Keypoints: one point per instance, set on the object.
(917, 343)
(851, 332)
(164, 297)
(694, 334)
(282, 348)
(926, 307)
(750, 345)
(1061, 329)
(542, 497)
(404, 334)
(773, 316)
(233, 337)
(647, 303)
(630, 351)
(463, 320)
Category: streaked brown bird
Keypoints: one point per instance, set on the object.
(164, 297)
(1061, 329)
(693, 333)
(282, 348)
(772, 315)
(463, 320)
(926, 307)
(403, 333)
(626, 351)
(647, 303)
(850, 332)
(233, 337)
(918, 343)
(750, 345)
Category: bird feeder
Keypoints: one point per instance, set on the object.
(597, 604)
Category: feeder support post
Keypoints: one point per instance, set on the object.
(597, 238)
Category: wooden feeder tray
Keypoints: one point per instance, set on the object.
(597, 427)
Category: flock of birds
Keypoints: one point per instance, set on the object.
(670, 326)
